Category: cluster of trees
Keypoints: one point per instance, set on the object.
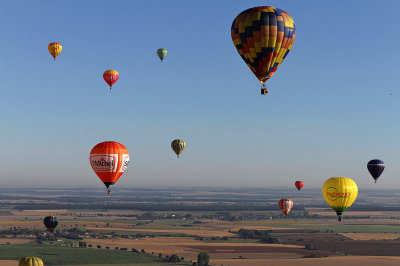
(202, 259)
(213, 238)
(263, 235)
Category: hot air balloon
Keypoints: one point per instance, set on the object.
(162, 53)
(178, 146)
(263, 36)
(375, 168)
(110, 76)
(299, 184)
(340, 193)
(50, 222)
(54, 49)
(30, 261)
(286, 205)
(109, 161)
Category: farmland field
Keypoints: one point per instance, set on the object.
(306, 236)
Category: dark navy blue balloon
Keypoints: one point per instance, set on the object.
(50, 222)
(375, 168)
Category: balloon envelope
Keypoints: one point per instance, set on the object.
(110, 76)
(109, 161)
(286, 205)
(299, 184)
(50, 222)
(30, 261)
(375, 168)
(263, 36)
(54, 49)
(162, 53)
(178, 146)
(340, 193)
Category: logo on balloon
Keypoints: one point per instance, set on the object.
(333, 194)
(104, 163)
(125, 162)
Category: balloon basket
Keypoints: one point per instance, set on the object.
(264, 91)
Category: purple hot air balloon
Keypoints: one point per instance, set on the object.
(375, 168)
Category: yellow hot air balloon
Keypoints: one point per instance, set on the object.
(54, 49)
(178, 146)
(340, 193)
(31, 261)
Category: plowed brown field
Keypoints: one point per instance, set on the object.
(371, 236)
(330, 261)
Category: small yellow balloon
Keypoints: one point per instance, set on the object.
(340, 193)
(178, 146)
(31, 261)
(54, 49)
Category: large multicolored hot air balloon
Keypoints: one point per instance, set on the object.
(286, 205)
(50, 222)
(162, 53)
(54, 49)
(299, 184)
(178, 146)
(340, 193)
(110, 76)
(109, 161)
(375, 168)
(30, 261)
(263, 36)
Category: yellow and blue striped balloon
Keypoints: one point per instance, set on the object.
(263, 36)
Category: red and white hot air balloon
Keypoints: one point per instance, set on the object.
(299, 184)
(110, 76)
(286, 205)
(109, 161)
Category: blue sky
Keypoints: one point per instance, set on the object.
(328, 111)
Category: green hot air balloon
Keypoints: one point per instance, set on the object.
(162, 53)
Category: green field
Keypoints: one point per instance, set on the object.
(53, 255)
